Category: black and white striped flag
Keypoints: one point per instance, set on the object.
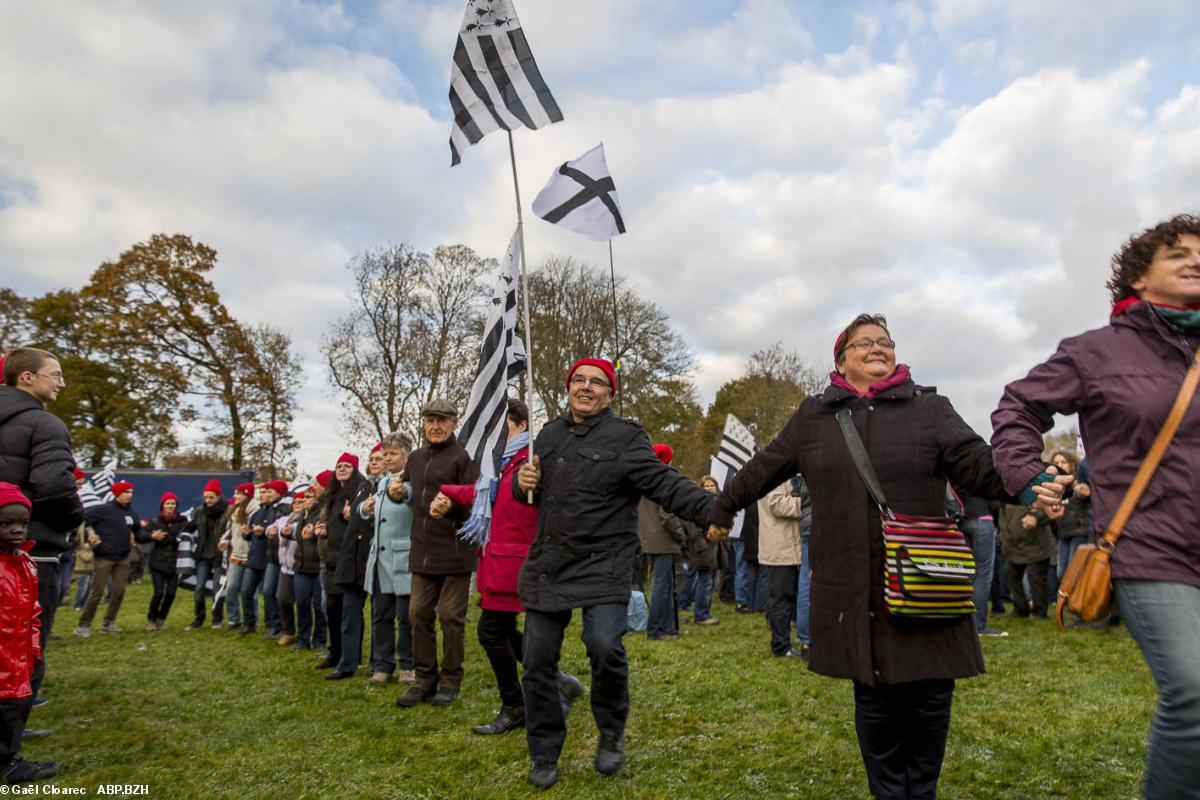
(494, 81)
(97, 489)
(582, 197)
(501, 359)
(737, 444)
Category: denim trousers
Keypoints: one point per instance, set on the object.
(83, 585)
(233, 595)
(252, 579)
(353, 600)
(270, 585)
(1164, 620)
(662, 596)
(803, 595)
(686, 595)
(981, 534)
(741, 575)
(204, 571)
(702, 595)
(66, 564)
(1066, 549)
(545, 720)
(310, 616)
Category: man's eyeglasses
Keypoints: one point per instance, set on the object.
(595, 383)
(57, 377)
(882, 344)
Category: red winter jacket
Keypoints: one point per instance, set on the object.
(20, 622)
(514, 527)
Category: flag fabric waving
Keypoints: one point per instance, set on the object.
(501, 359)
(97, 489)
(494, 81)
(582, 197)
(737, 444)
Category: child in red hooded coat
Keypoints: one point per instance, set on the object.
(20, 640)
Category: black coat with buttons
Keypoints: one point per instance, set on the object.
(916, 441)
(356, 543)
(593, 473)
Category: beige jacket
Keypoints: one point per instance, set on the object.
(779, 527)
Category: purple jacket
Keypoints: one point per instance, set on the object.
(1122, 381)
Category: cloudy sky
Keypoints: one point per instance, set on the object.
(965, 166)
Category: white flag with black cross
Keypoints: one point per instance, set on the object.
(737, 444)
(494, 81)
(582, 197)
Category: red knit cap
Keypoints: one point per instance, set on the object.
(601, 364)
(11, 494)
(78, 473)
(347, 458)
(121, 487)
(279, 486)
(245, 488)
(167, 496)
(213, 486)
(378, 446)
(664, 452)
(323, 478)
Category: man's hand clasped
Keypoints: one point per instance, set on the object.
(530, 475)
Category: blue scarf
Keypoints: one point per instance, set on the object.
(476, 529)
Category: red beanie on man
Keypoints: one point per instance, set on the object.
(121, 487)
(601, 364)
(664, 452)
(213, 486)
(79, 474)
(11, 494)
(279, 486)
(347, 458)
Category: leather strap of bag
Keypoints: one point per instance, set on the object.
(1142, 479)
(858, 452)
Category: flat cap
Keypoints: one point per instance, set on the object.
(439, 407)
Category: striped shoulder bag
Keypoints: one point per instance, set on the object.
(929, 568)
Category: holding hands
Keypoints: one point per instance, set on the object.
(440, 506)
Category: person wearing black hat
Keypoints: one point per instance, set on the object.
(441, 562)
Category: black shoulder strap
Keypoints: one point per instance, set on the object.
(861, 460)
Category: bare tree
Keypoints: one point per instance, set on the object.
(270, 444)
(413, 335)
(775, 363)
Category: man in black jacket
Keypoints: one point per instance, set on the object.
(111, 531)
(441, 562)
(35, 454)
(589, 470)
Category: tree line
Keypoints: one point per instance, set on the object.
(150, 348)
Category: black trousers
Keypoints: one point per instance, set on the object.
(604, 628)
(48, 596)
(902, 730)
(1013, 574)
(333, 619)
(781, 606)
(165, 584)
(285, 595)
(503, 643)
(13, 714)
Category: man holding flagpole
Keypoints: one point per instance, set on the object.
(589, 470)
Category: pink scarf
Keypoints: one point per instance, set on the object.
(901, 375)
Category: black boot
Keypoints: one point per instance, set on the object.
(543, 774)
(610, 755)
(509, 718)
(22, 771)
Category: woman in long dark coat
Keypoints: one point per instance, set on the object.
(903, 671)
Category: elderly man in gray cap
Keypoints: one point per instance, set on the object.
(440, 562)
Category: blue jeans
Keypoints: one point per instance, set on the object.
(310, 614)
(662, 595)
(66, 563)
(233, 593)
(981, 533)
(1066, 549)
(270, 587)
(204, 571)
(252, 579)
(803, 595)
(545, 720)
(687, 592)
(1164, 620)
(703, 594)
(83, 585)
(741, 574)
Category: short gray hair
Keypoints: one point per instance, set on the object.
(397, 441)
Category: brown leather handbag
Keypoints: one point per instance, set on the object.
(1086, 586)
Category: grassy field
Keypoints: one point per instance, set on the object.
(198, 714)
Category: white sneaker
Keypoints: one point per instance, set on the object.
(108, 627)
(83, 632)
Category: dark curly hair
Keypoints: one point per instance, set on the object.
(1133, 260)
(843, 340)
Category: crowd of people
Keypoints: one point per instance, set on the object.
(592, 512)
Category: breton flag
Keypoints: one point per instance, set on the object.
(501, 359)
(720, 470)
(97, 489)
(737, 444)
(494, 81)
(582, 197)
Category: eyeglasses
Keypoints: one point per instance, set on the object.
(595, 383)
(864, 344)
(57, 377)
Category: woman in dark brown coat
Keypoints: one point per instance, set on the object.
(903, 671)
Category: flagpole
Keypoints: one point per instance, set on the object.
(512, 157)
(612, 274)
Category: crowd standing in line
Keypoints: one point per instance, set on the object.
(577, 525)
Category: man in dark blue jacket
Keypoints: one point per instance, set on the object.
(257, 571)
(111, 531)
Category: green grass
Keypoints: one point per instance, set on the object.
(206, 714)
